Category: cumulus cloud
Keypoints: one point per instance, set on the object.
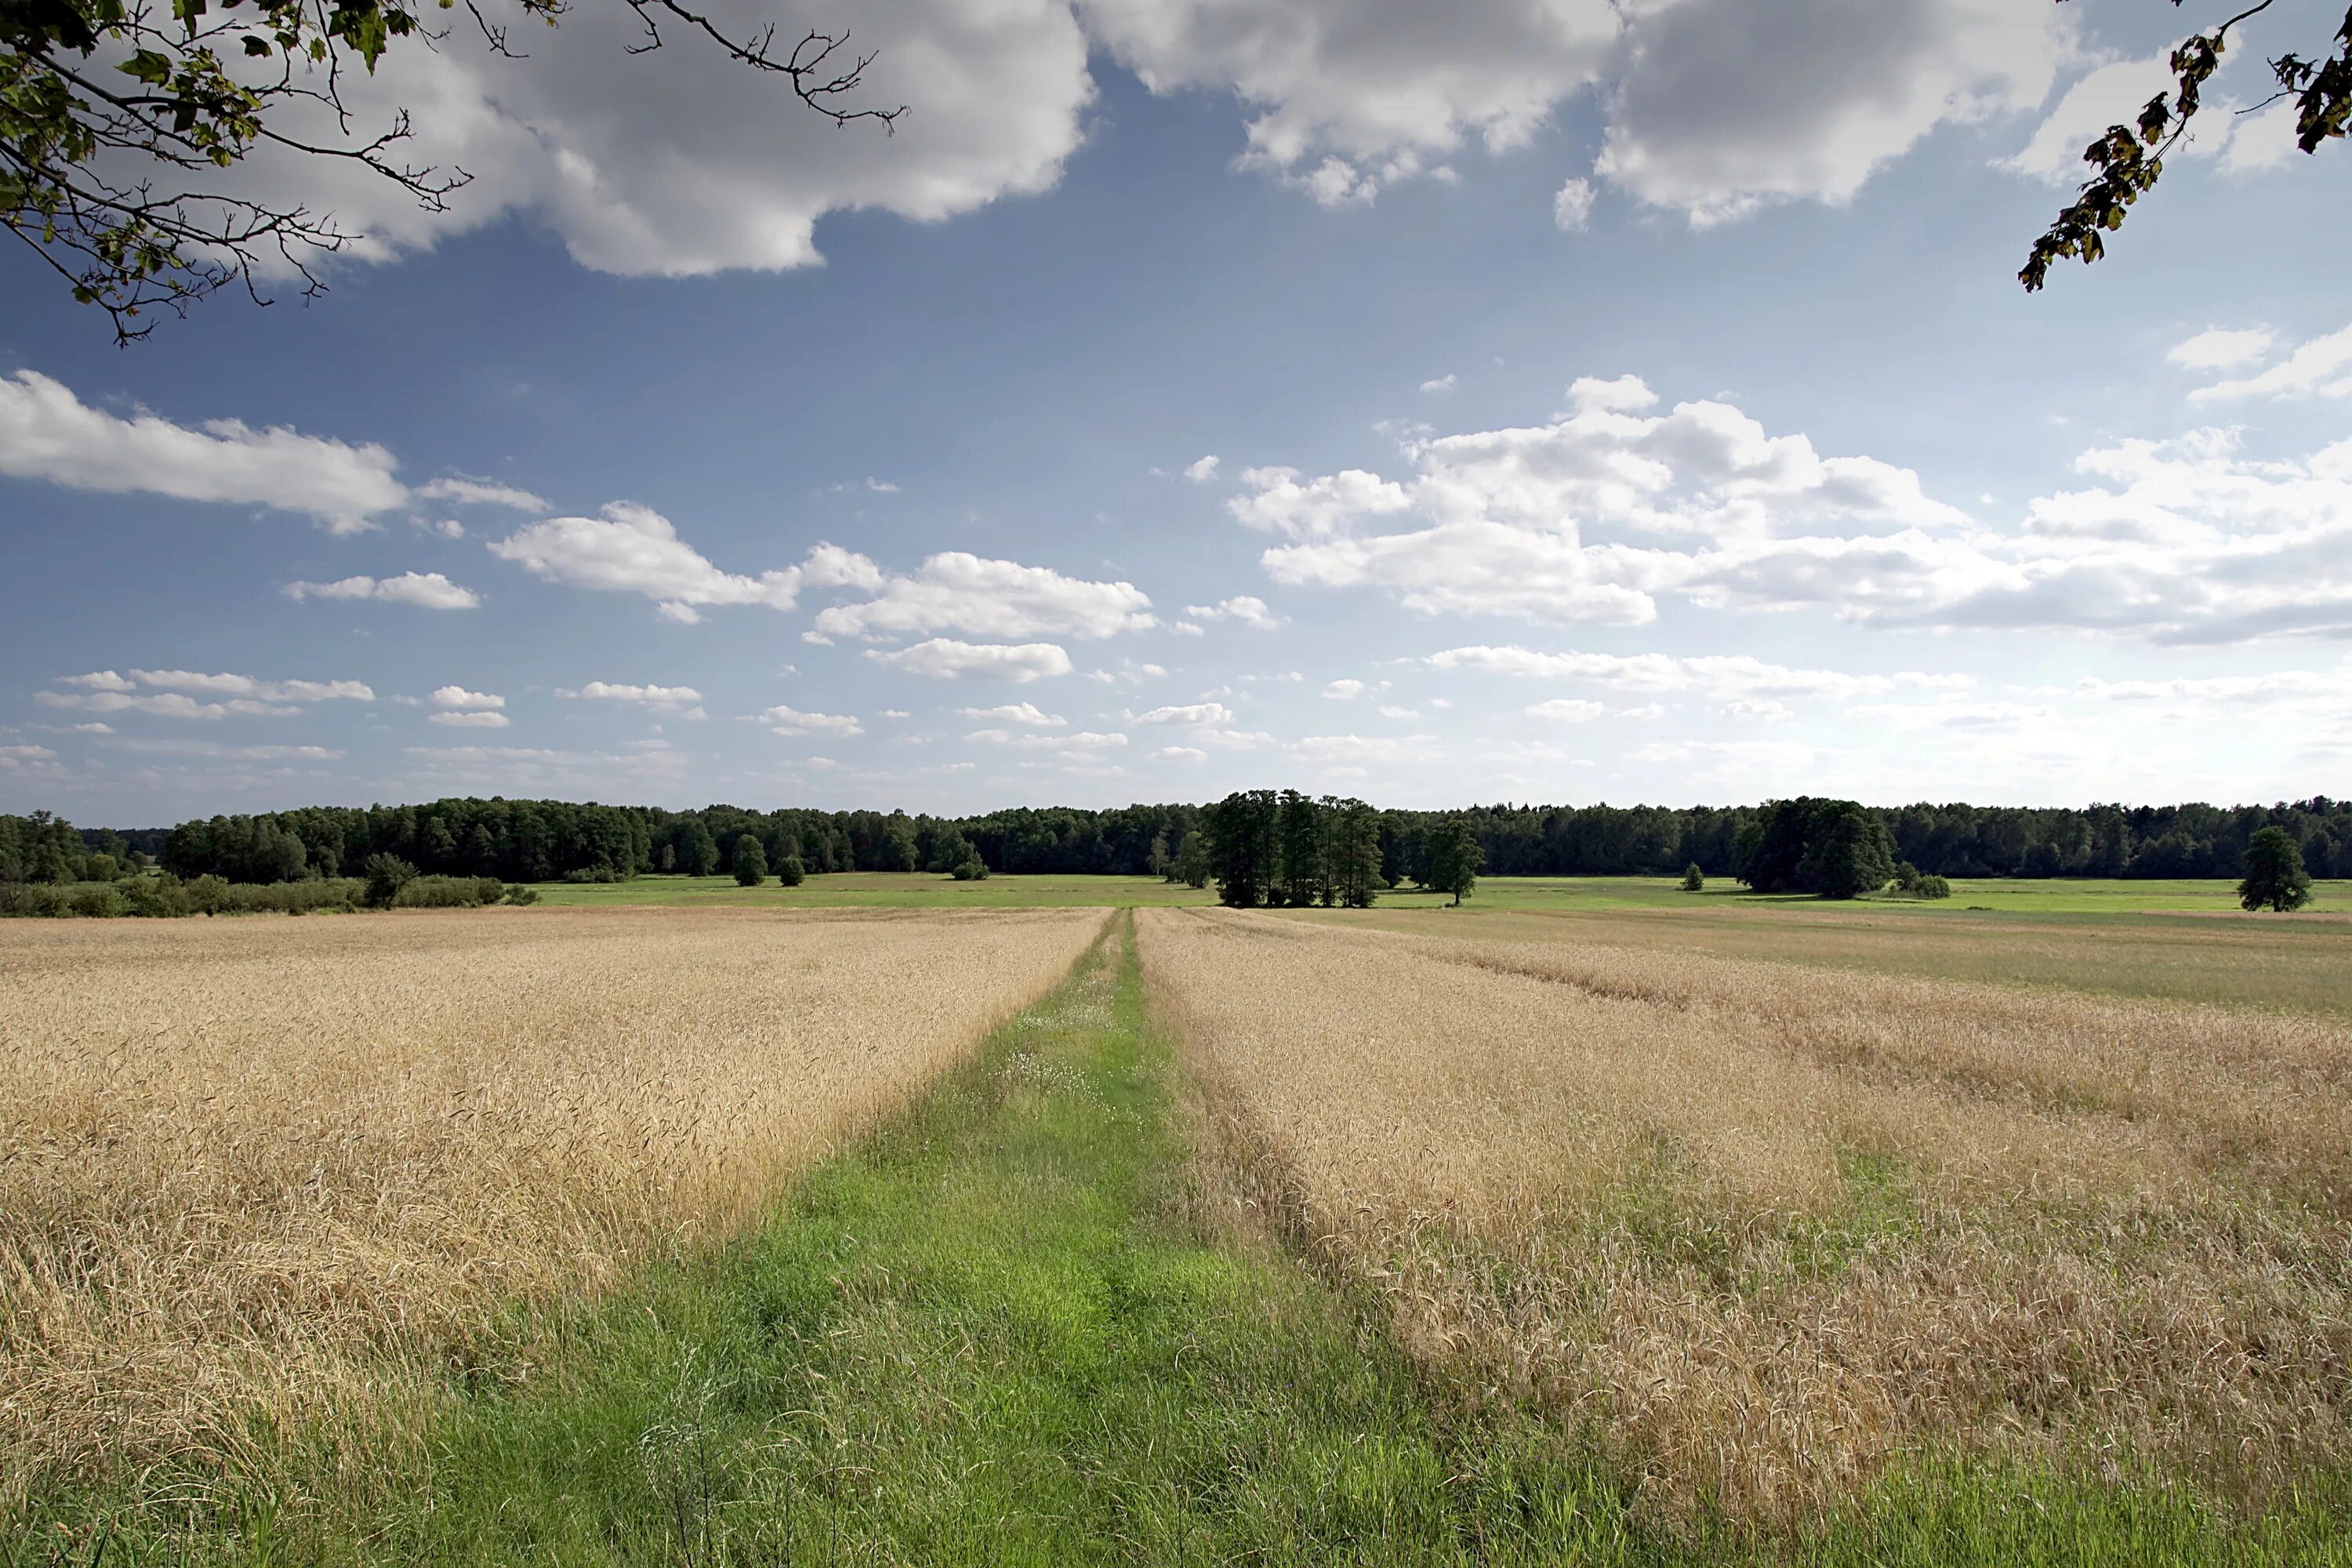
(458, 697)
(681, 699)
(1346, 689)
(1201, 471)
(955, 592)
(633, 549)
(1248, 609)
(1724, 106)
(677, 163)
(1178, 754)
(786, 720)
(1715, 677)
(1080, 741)
(427, 590)
(1585, 518)
(945, 658)
(1446, 383)
(2318, 367)
(1188, 713)
(47, 433)
(1568, 709)
(2218, 348)
(166, 693)
(1572, 206)
(472, 719)
(1025, 713)
(466, 490)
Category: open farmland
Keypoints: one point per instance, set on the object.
(258, 1174)
(2234, 959)
(1775, 1235)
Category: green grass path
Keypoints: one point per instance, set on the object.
(990, 1334)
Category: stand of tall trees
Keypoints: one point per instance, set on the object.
(1268, 849)
(531, 841)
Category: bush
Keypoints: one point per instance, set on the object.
(386, 875)
(519, 894)
(791, 872)
(208, 894)
(593, 874)
(158, 897)
(1694, 879)
(97, 901)
(33, 900)
(751, 862)
(1931, 885)
(340, 893)
(971, 869)
(448, 892)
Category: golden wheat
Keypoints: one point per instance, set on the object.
(1766, 1229)
(253, 1173)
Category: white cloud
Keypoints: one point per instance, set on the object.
(234, 753)
(1201, 471)
(1572, 206)
(677, 163)
(1391, 710)
(2218, 348)
(477, 719)
(1178, 754)
(1247, 608)
(670, 698)
(1080, 740)
(1439, 384)
(163, 693)
(458, 697)
(27, 754)
(962, 593)
(2317, 367)
(1568, 709)
(793, 721)
(1025, 713)
(1346, 689)
(427, 590)
(636, 550)
(1188, 713)
(1621, 395)
(466, 490)
(1724, 106)
(47, 433)
(1717, 677)
(1586, 519)
(945, 658)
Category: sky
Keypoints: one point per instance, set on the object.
(1539, 401)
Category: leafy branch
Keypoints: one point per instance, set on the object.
(2130, 159)
(116, 115)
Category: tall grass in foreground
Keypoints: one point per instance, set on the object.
(1777, 1237)
(262, 1181)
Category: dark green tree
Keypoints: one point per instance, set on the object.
(2275, 877)
(1694, 878)
(1848, 851)
(1157, 861)
(386, 875)
(949, 850)
(789, 872)
(750, 862)
(1244, 849)
(1355, 853)
(1191, 866)
(1303, 876)
(698, 851)
(1456, 858)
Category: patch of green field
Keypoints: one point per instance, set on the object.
(2003, 895)
(1001, 1332)
(879, 889)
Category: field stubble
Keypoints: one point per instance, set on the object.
(1769, 1232)
(256, 1177)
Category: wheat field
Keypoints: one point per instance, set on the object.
(263, 1178)
(1768, 1232)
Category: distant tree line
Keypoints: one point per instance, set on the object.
(535, 841)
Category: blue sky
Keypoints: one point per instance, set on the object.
(1602, 406)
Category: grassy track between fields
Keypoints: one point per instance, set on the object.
(1012, 1328)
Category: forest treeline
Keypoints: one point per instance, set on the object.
(533, 841)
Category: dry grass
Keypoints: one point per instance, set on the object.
(2302, 963)
(258, 1174)
(1766, 1229)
